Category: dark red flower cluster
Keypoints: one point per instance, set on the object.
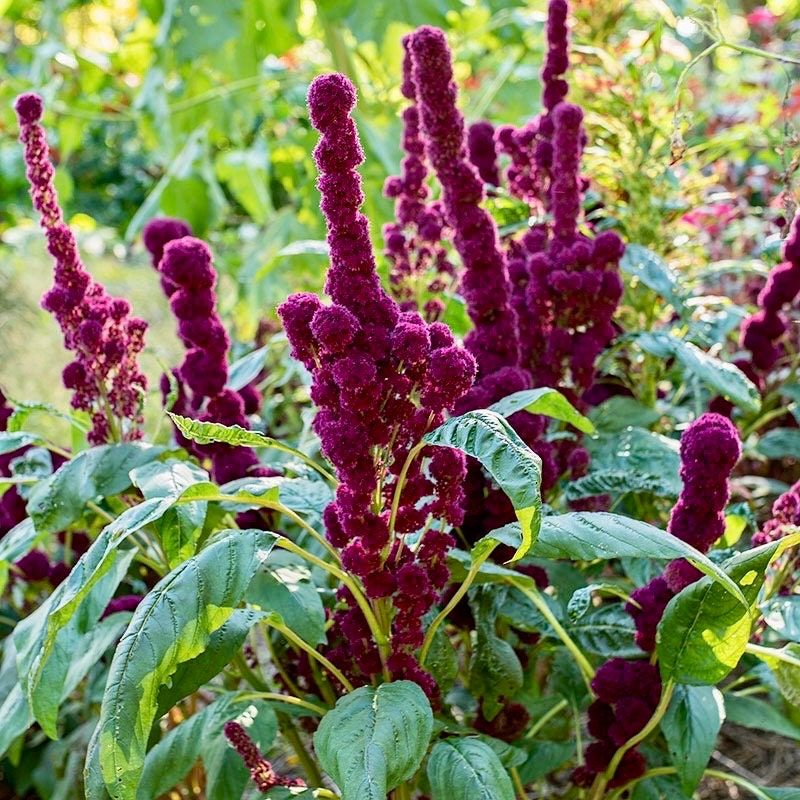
(628, 693)
(382, 378)
(414, 242)
(261, 771)
(125, 602)
(762, 332)
(99, 330)
(189, 279)
(785, 515)
(483, 151)
(710, 449)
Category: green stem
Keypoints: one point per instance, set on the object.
(757, 51)
(533, 595)
(519, 787)
(401, 481)
(772, 652)
(284, 698)
(293, 738)
(454, 601)
(545, 718)
(739, 781)
(312, 653)
(656, 772)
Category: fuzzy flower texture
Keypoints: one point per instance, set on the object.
(628, 691)
(189, 279)
(99, 330)
(382, 378)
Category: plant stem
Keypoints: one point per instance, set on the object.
(296, 640)
(519, 787)
(656, 772)
(545, 718)
(293, 738)
(284, 698)
(533, 595)
(401, 481)
(743, 782)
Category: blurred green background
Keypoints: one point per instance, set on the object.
(195, 108)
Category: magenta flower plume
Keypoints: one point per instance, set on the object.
(414, 242)
(710, 449)
(482, 151)
(262, 772)
(99, 330)
(381, 379)
(485, 283)
(156, 235)
(761, 333)
(785, 515)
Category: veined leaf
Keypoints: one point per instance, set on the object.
(246, 369)
(585, 536)
(486, 436)
(749, 712)
(721, 376)
(545, 401)
(172, 625)
(375, 738)
(653, 272)
(782, 614)
(704, 632)
(467, 769)
(93, 474)
(19, 541)
(11, 441)
(690, 726)
(785, 665)
(607, 631)
(780, 443)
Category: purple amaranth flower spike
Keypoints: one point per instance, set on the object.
(382, 378)
(99, 330)
(485, 284)
(762, 332)
(156, 235)
(261, 771)
(482, 151)
(414, 240)
(785, 515)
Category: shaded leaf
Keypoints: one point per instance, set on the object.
(545, 401)
(467, 769)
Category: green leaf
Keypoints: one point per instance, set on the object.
(467, 769)
(14, 709)
(76, 645)
(172, 625)
(19, 541)
(246, 174)
(607, 631)
(284, 585)
(180, 526)
(585, 536)
(11, 441)
(375, 738)
(494, 669)
(653, 272)
(690, 726)
(780, 443)
(704, 632)
(545, 757)
(90, 476)
(782, 614)
(246, 369)
(618, 413)
(545, 401)
(759, 715)
(785, 666)
(721, 376)
(512, 464)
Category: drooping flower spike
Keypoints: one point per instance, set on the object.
(99, 330)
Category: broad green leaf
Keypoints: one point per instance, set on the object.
(467, 769)
(90, 476)
(180, 526)
(486, 436)
(585, 536)
(618, 413)
(284, 585)
(545, 757)
(14, 709)
(749, 712)
(581, 599)
(704, 631)
(545, 401)
(780, 443)
(721, 376)
(509, 755)
(785, 665)
(690, 726)
(172, 625)
(782, 614)
(19, 541)
(606, 631)
(375, 738)
(494, 669)
(75, 646)
(246, 369)
(246, 174)
(11, 441)
(653, 272)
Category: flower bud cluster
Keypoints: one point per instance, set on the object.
(382, 378)
(99, 330)
(785, 515)
(261, 771)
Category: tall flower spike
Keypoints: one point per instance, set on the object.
(261, 771)
(485, 283)
(381, 380)
(105, 339)
(761, 333)
(482, 151)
